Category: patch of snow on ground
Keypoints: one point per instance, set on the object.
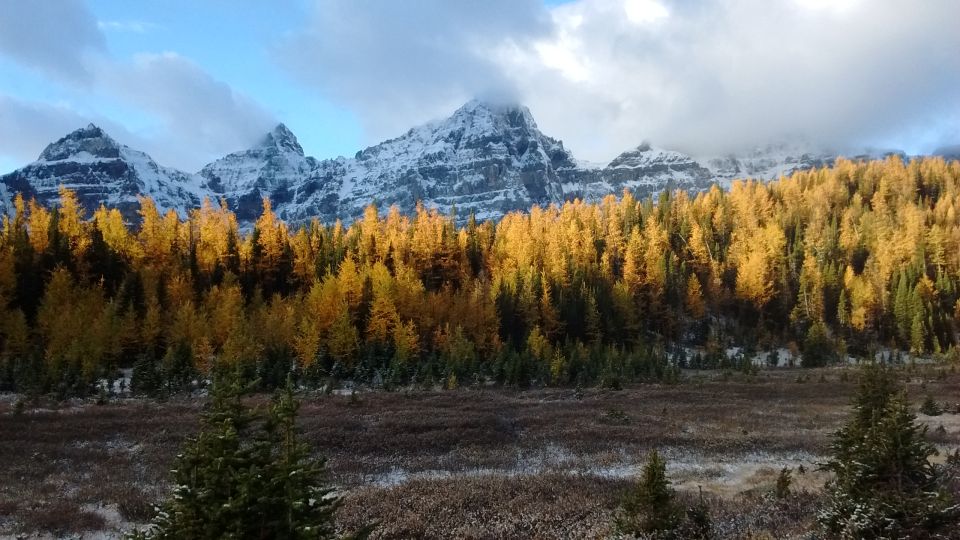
(686, 469)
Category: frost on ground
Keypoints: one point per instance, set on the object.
(479, 462)
(689, 470)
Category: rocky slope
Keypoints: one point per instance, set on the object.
(273, 168)
(101, 171)
(486, 159)
(645, 170)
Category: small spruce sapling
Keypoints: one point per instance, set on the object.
(246, 475)
(784, 480)
(652, 506)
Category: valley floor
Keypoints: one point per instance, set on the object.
(471, 463)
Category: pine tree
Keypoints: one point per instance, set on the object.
(293, 498)
(146, 379)
(885, 485)
(246, 475)
(818, 349)
(652, 506)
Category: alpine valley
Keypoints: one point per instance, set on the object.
(485, 159)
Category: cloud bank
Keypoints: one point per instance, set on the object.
(56, 38)
(400, 63)
(196, 117)
(701, 76)
(200, 117)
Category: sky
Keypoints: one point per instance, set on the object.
(188, 81)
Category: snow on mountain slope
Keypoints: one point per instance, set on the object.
(486, 158)
(775, 160)
(272, 168)
(101, 171)
(767, 163)
(645, 170)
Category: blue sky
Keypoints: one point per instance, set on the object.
(188, 81)
(232, 41)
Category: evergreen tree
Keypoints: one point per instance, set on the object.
(818, 350)
(885, 485)
(652, 507)
(246, 475)
(146, 379)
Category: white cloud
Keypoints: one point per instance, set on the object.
(717, 76)
(28, 126)
(644, 11)
(703, 76)
(399, 63)
(136, 27)
(56, 38)
(199, 118)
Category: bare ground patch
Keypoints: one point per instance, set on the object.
(474, 463)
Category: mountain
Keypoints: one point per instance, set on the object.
(486, 158)
(644, 170)
(101, 171)
(273, 168)
(768, 162)
(948, 152)
(781, 159)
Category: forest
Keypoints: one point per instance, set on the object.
(832, 262)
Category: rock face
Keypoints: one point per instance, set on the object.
(273, 168)
(101, 171)
(486, 159)
(645, 170)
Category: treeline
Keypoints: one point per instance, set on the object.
(839, 260)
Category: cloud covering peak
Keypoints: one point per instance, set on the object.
(702, 76)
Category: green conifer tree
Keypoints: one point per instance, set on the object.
(885, 485)
(652, 507)
(245, 476)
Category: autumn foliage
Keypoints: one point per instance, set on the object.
(861, 253)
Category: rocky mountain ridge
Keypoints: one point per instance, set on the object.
(486, 159)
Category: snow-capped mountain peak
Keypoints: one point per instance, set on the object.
(101, 171)
(90, 141)
(486, 158)
(282, 138)
(646, 155)
(485, 115)
(644, 170)
(274, 168)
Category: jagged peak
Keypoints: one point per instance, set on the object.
(90, 139)
(646, 154)
(281, 137)
(514, 114)
(90, 131)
